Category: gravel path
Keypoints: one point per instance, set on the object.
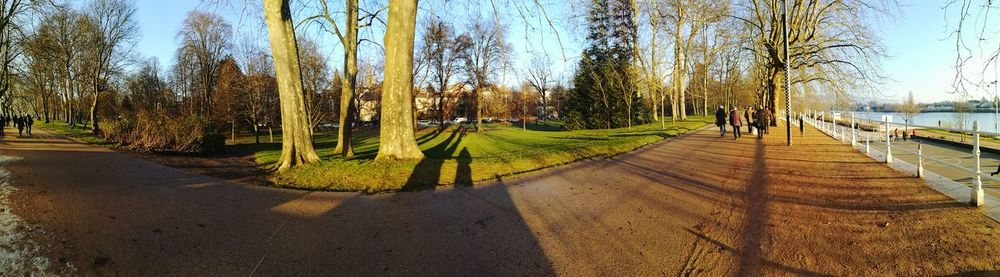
(695, 205)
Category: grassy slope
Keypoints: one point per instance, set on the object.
(79, 133)
(461, 157)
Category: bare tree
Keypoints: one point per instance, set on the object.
(442, 52)
(909, 109)
(484, 58)
(540, 76)
(205, 40)
(826, 44)
(348, 37)
(315, 79)
(115, 30)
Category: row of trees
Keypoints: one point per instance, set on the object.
(78, 59)
(734, 47)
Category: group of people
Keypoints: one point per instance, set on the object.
(759, 118)
(23, 124)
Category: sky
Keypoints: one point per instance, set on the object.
(921, 55)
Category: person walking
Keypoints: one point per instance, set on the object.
(737, 121)
(3, 124)
(20, 125)
(748, 114)
(759, 121)
(31, 121)
(720, 120)
(766, 124)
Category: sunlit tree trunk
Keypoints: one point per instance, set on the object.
(350, 42)
(296, 144)
(397, 140)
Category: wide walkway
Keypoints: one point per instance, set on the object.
(698, 204)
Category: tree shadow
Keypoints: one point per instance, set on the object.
(427, 173)
(463, 175)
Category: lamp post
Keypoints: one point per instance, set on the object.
(788, 84)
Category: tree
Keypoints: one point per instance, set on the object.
(483, 58)
(205, 40)
(315, 79)
(396, 139)
(827, 44)
(225, 98)
(296, 145)
(115, 29)
(539, 76)
(10, 34)
(442, 52)
(605, 90)
(349, 39)
(909, 109)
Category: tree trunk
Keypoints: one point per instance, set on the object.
(270, 133)
(93, 114)
(775, 89)
(479, 109)
(296, 144)
(350, 41)
(397, 141)
(256, 133)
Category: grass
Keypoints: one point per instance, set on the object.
(461, 156)
(945, 134)
(80, 133)
(456, 156)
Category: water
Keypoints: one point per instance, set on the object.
(947, 119)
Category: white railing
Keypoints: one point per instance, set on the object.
(837, 131)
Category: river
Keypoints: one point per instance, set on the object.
(987, 121)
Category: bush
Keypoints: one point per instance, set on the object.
(158, 131)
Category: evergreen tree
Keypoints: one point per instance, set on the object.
(605, 94)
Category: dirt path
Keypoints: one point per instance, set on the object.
(696, 205)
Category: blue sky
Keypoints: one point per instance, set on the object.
(921, 56)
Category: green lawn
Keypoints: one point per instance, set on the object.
(458, 155)
(462, 156)
(78, 132)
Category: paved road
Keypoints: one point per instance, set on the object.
(696, 205)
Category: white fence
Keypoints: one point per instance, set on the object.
(852, 135)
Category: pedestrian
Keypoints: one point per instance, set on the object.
(737, 122)
(720, 120)
(3, 124)
(31, 121)
(765, 119)
(895, 134)
(748, 114)
(20, 125)
(802, 125)
(759, 121)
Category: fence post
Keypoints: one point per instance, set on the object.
(888, 142)
(976, 199)
(920, 160)
(853, 130)
(868, 148)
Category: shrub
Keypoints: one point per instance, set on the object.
(159, 131)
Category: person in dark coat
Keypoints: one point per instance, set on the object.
(748, 114)
(720, 120)
(3, 124)
(762, 122)
(20, 125)
(737, 122)
(31, 121)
